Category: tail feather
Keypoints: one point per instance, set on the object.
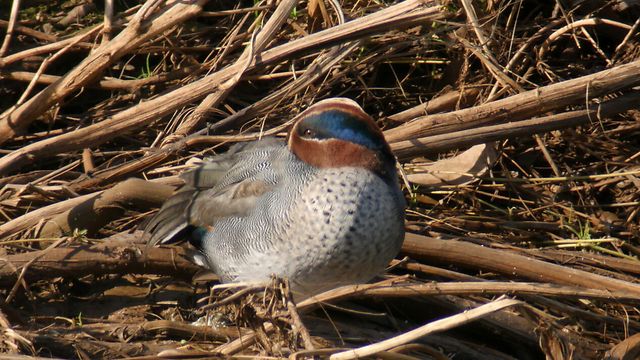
(172, 219)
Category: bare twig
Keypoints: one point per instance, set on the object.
(78, 212)
(25, 267)
(44, 49)
(627, 37)
(577, 25)
(109, 257)
(404, 14)
(476, 256)
(15, 8)
(13, 122)
(255, 48)
(107, 28)
(405, 149)
(30, 32)
(436, 326)
(297, 321)
(517, 107)
(44, 66)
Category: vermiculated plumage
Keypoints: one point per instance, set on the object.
(261, 210)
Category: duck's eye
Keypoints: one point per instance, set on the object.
(308, 133)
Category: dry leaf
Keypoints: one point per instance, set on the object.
(628, 349)
(458, 170)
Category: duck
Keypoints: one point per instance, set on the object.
(322, 208)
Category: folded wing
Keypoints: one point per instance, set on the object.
(226, 185)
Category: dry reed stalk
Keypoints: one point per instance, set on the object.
(576, 91)
(96, 259)
(402, 15)
(436, 326)
(507, 263)
(479, 134)
(142, 28)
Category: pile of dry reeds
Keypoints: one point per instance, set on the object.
(516, 124)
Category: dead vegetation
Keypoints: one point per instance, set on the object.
(523, 239)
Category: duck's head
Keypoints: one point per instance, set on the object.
(336, 132)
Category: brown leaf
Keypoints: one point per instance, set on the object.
(627, 349)
(457, 170)
(312, 7)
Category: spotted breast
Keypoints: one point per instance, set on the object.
(322, 209)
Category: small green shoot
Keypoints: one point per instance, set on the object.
(146, 71)
(585, 240)
(582, 233)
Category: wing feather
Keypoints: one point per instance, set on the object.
(223, 186)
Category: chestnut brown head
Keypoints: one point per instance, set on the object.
(337, 132)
